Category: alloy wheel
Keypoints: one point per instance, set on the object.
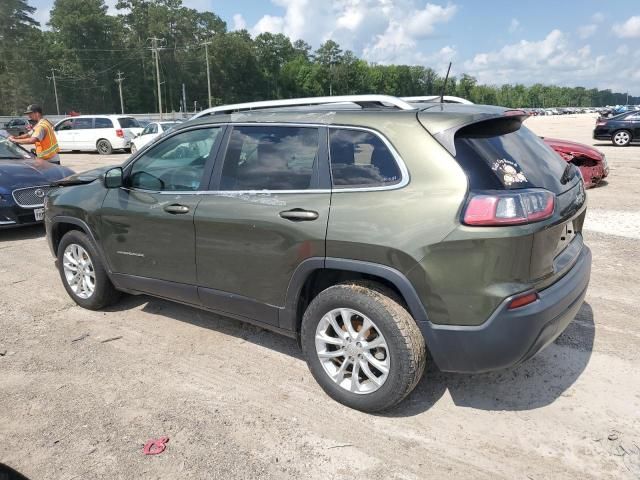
(79, 271)
(621, 138)
(352, 350)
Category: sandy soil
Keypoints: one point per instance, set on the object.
(81, 392)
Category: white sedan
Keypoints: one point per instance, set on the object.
(150, 133)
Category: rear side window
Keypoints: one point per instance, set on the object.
(502, 155)
(103, 123)
(128, 122)
(270, 158)
(361, 159)
(83, 124)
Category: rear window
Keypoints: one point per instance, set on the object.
(361, 159)
(128, 122)
(104, 123)
(501, 154)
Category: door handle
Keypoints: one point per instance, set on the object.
(299, 215)
(176, 209)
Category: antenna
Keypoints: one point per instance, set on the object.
(444, 86)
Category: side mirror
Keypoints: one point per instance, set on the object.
(113, 178)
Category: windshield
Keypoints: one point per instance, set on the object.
(10, 151)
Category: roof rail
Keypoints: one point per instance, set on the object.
(436, 99)
(362, 100)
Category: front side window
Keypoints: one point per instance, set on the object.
(103, 123)
(83, 124)
(361, 159)
(270, 158)
(176, 164)
(66, 125)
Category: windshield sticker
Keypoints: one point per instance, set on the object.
(508, 171)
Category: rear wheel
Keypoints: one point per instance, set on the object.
(83, 275)
(104, 147)
(362, 346)
(621, 138)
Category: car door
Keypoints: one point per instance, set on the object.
(64, 134)
(84, 135)
(147, 225)
(267, 213)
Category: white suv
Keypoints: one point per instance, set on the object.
(101, 133)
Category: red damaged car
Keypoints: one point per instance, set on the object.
(592, 163)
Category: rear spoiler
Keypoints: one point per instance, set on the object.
(482, 125)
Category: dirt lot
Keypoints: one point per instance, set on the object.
(81, 392)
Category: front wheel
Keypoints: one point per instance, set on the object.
(104, 147)
(621, 138)
(362, 346)
(83, 275)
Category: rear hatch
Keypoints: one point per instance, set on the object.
(500, 156)
(130, 127)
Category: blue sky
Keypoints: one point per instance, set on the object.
(565, 42)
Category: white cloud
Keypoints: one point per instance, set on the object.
(598, 17)
(239, 22)
(384, 31)
(514, 25)
(554, 60)
(587, 31)
(629, 29)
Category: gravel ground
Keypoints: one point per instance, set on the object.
(81, 392)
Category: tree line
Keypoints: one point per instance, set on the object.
(84, 48)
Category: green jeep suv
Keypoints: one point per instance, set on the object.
(371, 229)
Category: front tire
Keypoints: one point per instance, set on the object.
(83, 274)
(104, 147)
(362, 346)
(621, 138)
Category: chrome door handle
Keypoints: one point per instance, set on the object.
(176, 209)
(299, 215)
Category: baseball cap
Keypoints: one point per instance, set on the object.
(33, 108)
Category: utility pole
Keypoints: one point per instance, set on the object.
(155, 49)
(55, 89)
(119, 81)
(206, 53)
(184, 99)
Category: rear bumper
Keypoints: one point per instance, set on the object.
(510, 337)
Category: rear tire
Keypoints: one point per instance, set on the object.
(104, 147)
(385, 373)
(621, 138)
(77, 258)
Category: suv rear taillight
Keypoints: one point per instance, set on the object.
(509, 208)
(120, 133)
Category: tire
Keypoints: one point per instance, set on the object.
(403, 354)
(621, 138)
(104, 147)
(103, 293)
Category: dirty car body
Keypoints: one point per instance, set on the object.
(452, 227)
(591, 162)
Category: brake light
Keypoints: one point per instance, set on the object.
(509, 208)
(523, 300)
(120, 133)
(600, 124)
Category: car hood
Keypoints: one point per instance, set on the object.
(85, 177)
(24, 173)
(573, 148)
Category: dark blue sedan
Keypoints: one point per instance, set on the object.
(24, 183)
(621, 129)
